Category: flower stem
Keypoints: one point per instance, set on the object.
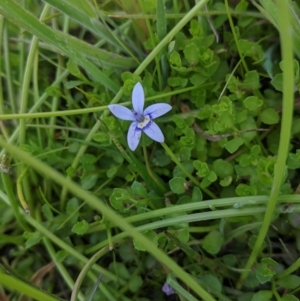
(152, 175)
(193, 179)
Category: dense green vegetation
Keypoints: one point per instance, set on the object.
(209, 209)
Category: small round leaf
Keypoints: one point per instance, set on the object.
(177, 185)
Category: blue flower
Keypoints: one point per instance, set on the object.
(167, 289)
(142, 120)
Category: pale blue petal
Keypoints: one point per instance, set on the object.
(122, 112)
(157, 110)
(167, 289)
(154, 132)
(134, 136)
(138, 99)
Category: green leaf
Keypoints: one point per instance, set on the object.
(88, 159)
(184, 154)
(253, 103)
(149, 5)
(263, 272)
(196, 195)
(74, 83)
(249, 124)
(61, 255)
(161, 23)
(81, 227)
(251, 81)
(202, 168)
(289, 282)
(72, 207)
(119, 269)
(251, 49)
(265, 170)
(227, 119)
(135, 283)
(277, 82)
(179, 173)
(112, 172)
(179, 122)
(138, 190)
(293, 161)
(177, 185)
(230, 259)
(89, 181)
(252, 240)
(160, 158)
(73, 147)
(197, 79)
(32, 238)
(270, 262)
(175, 59)
(245, 190)
(182, 234)
(289, 298)
(212, 177)
(262, 296)
(226, 181)
(191, 54)
(212, 242)
(53, 91)
(177, 82)
(205, 113)
(242, 6)
(47, 212)
(74, 70)
(195, 29)
(211, 282)
(223, 168)
(269, 116)
(234, 144)
(119, 198)
(151, 235)
(102, 138)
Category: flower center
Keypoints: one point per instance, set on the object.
(143, 121)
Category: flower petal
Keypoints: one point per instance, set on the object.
(138, 98)
(157, 110)
(167, 289)
(122, 112)
(154, 132)
(133, 136)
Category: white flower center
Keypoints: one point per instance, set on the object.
(143, 123)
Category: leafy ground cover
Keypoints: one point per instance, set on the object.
(204, 205)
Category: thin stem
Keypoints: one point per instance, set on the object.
(190, 218)
(292, 268)
(13, 201)
(7, 60)
(17, 285)
(32, 115)
(63, 271)
(20, 192)
(153, 45)
(84, 271)
(2, 126)
(152, 175)
(235, 36)
(27, 78)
